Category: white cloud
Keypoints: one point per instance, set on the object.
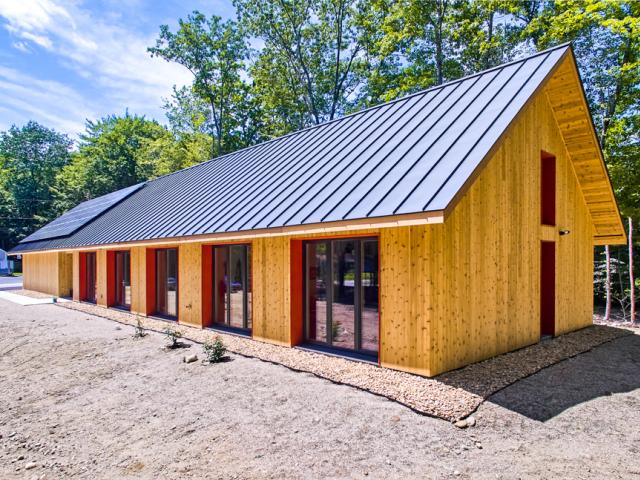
(101, 51)
(22, 46)
(49, 102)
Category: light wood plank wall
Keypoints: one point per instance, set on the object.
(190, 284)
(468, 289)
(101, 277)
(49, 272)
(139, 280)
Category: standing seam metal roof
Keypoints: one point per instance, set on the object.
(407, 156)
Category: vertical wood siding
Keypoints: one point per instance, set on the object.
(101, 277)
(450, 294)
(190, 283)
(468, 290)
(138, 280)
(50, 272)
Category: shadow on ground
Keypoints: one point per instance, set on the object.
(613, 367)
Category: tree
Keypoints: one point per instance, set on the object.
(108, 158)
(30, 158)
(214, 51)
(481, 34)
(313, 47)
(187, 112)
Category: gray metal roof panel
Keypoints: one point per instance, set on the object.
(406, 156)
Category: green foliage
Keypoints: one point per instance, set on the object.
(214, 351)
(114, 153)
(30, 158)
(172, 337)
(139, 331)
(307, 68)
(214, 51)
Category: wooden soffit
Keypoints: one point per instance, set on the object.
(568, 102)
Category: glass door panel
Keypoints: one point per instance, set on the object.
(172, 282)
(370, 289)
(232, 286)
(237, 285)
(343, 315)
(341, 294)
(91, 284)
(220, 289)
(167, 282)
(123, 279)
(317, 272)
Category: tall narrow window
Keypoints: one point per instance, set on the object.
(167, 282)
(90, 277)
(123, 278)
(548, 189)
(341, 294)
(231, 286)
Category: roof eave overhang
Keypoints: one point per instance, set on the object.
(317, 229)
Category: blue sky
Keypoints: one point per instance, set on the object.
(64, 61)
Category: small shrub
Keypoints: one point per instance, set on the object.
(214, 351)
(139, 331)
(172, 336)
(335, 330)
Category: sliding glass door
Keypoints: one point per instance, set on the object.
(232, 286)
(90, 277)
(341, 293)
(167, 282)
(123, 278)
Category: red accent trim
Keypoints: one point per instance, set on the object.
(207, 285)
(547, 288)
(82, 259)
(379, 311)
(547, 189)
(151, 281)
(296, 303)
(111, 278)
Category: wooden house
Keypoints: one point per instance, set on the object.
(423, 234)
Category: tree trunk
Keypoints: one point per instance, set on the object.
(607, 310)
(632, 289)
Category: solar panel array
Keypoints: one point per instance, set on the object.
(407, 156)
(79, 216)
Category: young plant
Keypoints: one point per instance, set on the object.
(214, 351)
(172, 337)
(139, 331)
(335, 330)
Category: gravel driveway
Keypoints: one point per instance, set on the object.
(82, 399)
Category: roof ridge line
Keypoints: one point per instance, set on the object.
(373, 107)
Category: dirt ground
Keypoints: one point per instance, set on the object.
(81, 398)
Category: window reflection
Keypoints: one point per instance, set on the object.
(123, 279)
(231, 286)
(341, 293)
(167, 282)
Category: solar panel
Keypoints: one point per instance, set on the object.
(80, 215)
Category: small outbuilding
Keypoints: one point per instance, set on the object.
(423, 234)
(4, 263)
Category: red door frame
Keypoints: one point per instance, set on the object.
(296, 276)
(547, 288)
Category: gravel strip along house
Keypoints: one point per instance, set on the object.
(423, 234)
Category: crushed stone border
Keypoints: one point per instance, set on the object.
(450, 396)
